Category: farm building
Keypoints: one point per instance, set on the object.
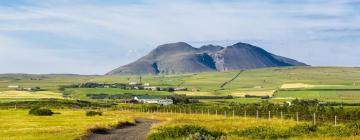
(150, 88)
(180, 89)
(165, 102)
(133, 83)
(13, 86)
(152, 100)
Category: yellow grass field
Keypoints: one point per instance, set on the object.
(68, 125)
(302, 85)
(28, 94)
(195, 93)
(253, 93)
(74, 124)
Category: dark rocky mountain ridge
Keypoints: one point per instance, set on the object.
(180, 57)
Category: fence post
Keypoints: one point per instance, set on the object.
(216, 113)
(233, 117)
(208, 112)
(257, 114)
(225, 114)
(281, 114)
(202, 111)
(314, 118)
(297, 117)
(245, 114)
(335, 121)
(269, 115)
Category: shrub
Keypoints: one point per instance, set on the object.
(262, 132)
(184, 131)
(93, 113)
(40, 112)
(302, 129)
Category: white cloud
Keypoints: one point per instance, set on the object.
(115, 34)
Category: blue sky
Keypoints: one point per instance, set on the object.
(95, 36)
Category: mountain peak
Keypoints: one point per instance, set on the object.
(211, 48)
(180, 57)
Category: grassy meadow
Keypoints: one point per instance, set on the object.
(73, 124)
(69, 124)
(329, 84)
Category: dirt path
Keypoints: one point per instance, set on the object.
(127, 132)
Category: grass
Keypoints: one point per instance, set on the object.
(338, 96)
(9, 96)
(258, 82)
(69, 124)
(29, 95)
(72, 124)
(81, 92)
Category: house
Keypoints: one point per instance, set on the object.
(28, 89)
(13, 86)
(150, 88)
(133, 83)
(165, 102)
(180, 89)
(152, 100)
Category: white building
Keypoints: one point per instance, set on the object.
(150, 88)
(13, 86)
(165, 102)
(133, 83)
(149, 100)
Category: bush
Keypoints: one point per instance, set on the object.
(185, 131)
(40, 112)
(93, 113)
(262, 132)
(303, 129)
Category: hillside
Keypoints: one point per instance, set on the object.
(180, 58)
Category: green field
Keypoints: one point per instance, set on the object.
(259, 82)
(80, 93)
(339, 96)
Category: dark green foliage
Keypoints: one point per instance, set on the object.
(93, 113)
(40, 112)
(184, 131)
(53, 103)
(303, 129)
(266, 132)
(262, 132)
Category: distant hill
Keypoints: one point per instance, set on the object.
(180, 57)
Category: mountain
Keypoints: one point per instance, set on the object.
(180, 57)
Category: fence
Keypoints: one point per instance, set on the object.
(314, 118)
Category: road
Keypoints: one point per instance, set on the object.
(128, 132)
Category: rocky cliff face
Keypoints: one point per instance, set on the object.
(180, 57)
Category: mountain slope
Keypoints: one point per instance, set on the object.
(180, 57)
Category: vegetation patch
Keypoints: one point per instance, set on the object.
(93, 113)
(185, 131)
(40, 112)
(262, 132)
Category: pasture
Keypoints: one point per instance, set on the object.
(73, 124)
(80, 93)
(256, 82)
(69, 124)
